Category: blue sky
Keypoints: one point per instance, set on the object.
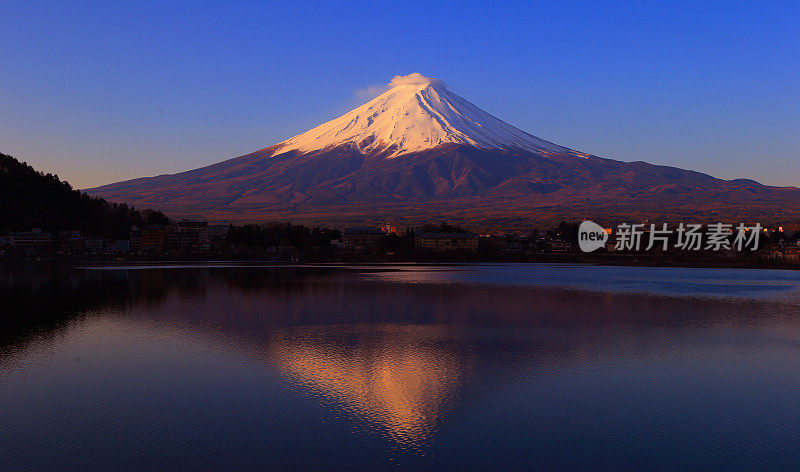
(105, 91)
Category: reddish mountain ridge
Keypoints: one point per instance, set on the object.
(419, 153)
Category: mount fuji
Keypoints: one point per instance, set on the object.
(417, 113)
(419, 152)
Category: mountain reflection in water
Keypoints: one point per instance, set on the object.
(399, 377)
(399, 367)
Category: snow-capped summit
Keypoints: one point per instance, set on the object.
(418, 113)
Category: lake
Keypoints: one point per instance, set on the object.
(231, 366)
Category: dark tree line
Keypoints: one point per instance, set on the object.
(281, 234)
(33, 199)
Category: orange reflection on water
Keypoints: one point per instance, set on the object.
(396, 377)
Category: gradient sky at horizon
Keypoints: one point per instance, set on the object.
(105, 91)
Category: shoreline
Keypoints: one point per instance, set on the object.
(576, 259)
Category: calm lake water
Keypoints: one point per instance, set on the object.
(407, 367)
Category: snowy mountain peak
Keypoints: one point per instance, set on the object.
(418, 113)
(415, 78)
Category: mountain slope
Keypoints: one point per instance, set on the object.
(418, 152)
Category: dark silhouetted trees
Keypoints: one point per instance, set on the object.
(33, 199)
(281, 234)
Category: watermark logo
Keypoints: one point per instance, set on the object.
(591, 236)
(684, 237)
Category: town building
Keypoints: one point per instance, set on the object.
(217, 232)
(135, 245)
(154, 240)
(505, 244)
(33, 241)
(173, 245)
(560, 246)
(192, 236)
(447, 241)
(93, 245)
(790, 254)
(362, 238)
(70, 242)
